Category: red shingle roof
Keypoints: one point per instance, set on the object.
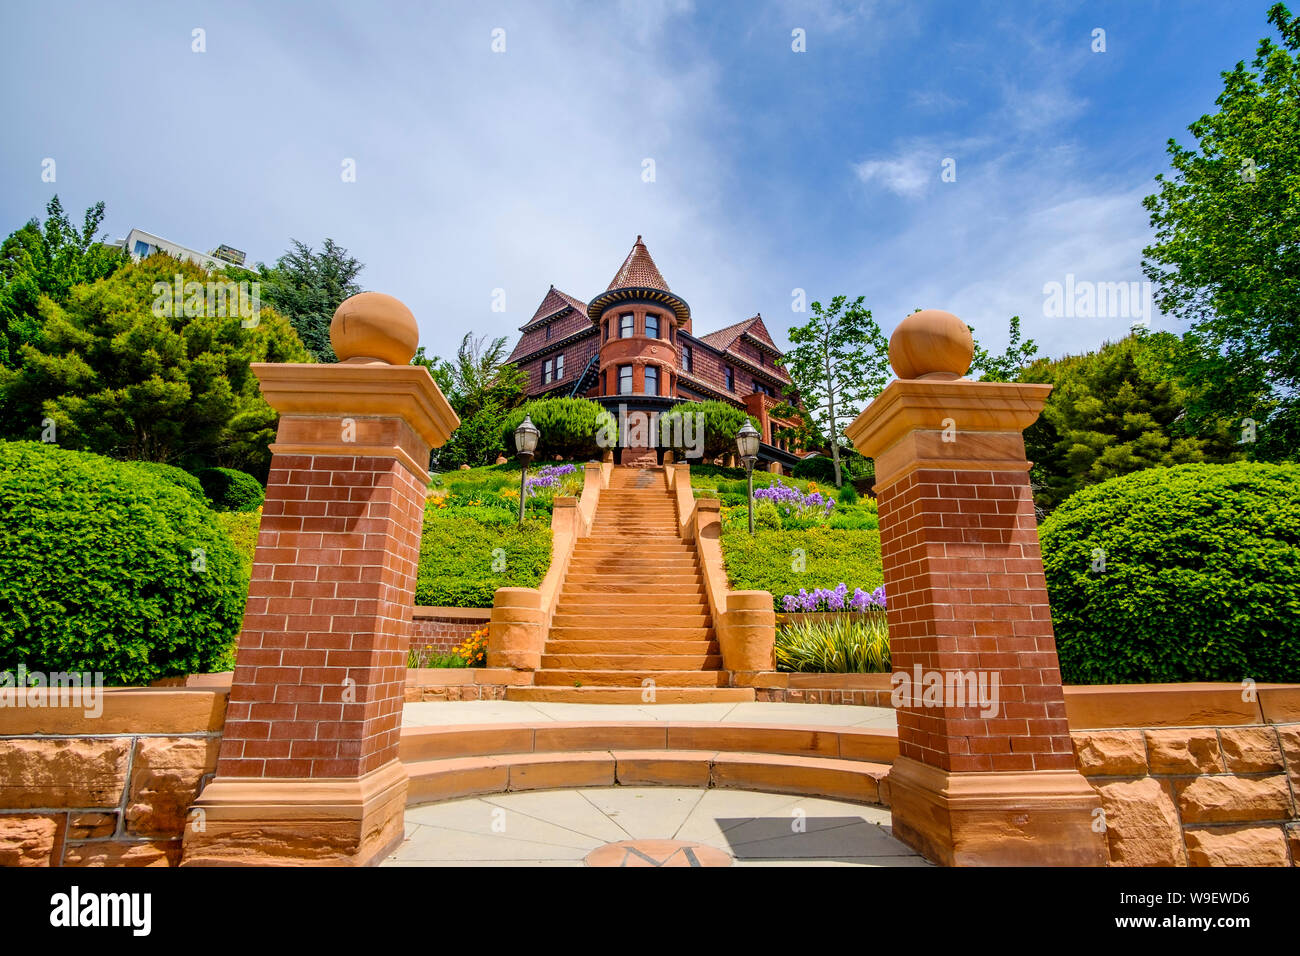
(639, 271)
(724, 338)
(554, 301)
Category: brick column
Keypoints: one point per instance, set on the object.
(308, 769)
(976, 782)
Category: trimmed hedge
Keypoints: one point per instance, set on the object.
(457, 556)
(231, 490)
(568, 427)
(722, 421)
(178, 476)
(98, 570)
(770, 560)
(1201, 578)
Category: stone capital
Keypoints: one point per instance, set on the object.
(395, 410)
(959, 425)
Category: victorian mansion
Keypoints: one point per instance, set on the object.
(633, 346)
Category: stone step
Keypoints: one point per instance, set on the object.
(651, 645)
(589, 565)
(605, 661)
(666, 617)
(669, 587)
(874, 745)
(631, 695)
(592, 581)
(623, 546)
(587, 603)
(626, 633)
(454, 777)
(633, 678)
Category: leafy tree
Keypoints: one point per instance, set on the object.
(121, 376)
(48, 260)
(307, 287)
(840, 361)
(482, 389)
(1004, 367)
(1226, 257)
(1111, 412)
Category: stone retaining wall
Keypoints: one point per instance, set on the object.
(1197, 796)
(442, 628)
(462, 683)
(106, 790)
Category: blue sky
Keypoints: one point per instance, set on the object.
(774, 170)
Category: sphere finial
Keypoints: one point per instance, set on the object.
(371, 328)
(931, 344)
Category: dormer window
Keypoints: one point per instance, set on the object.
(548, 333)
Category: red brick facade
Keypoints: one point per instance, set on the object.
(736, 364)
(967, 593)
(319, 679)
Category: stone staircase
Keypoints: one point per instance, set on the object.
(843, 763)
(632, 624)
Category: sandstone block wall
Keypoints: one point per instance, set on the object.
(107, 790)
(1197, 796)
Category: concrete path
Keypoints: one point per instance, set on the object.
(439, 713)
(563, 827)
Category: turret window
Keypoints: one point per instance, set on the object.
(651, 325)
(652, 380)
(625, 380)
(625, 325)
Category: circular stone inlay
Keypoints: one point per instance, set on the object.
(657, 853)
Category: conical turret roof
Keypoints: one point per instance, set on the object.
(638, 271)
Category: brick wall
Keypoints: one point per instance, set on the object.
(442, 628)
(966, 592)
(1197, 796)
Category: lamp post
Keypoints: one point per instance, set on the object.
(525, 445)
(747, 445)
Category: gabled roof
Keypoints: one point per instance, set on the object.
(553, 302)
(724, 339)
(638, 271)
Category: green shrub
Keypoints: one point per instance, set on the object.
(817, 468)
(457, 557)
(848, 495)
(1201, 578)
(431, 657)
(177, 476)
(568, 427)
(231, 490)
(241, 528)
(784, 561)
(848, 644)
(721, 423)
(97, 570)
